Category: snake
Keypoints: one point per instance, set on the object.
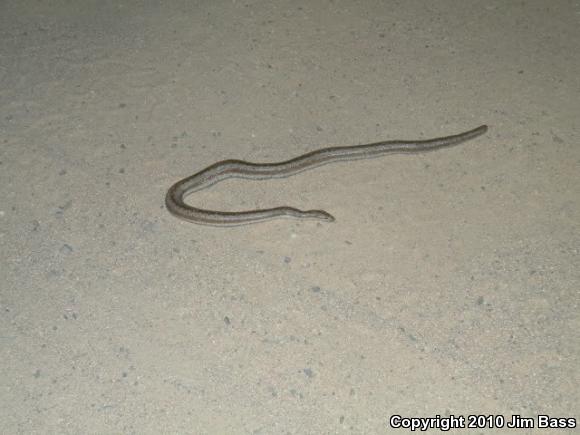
(175, 197)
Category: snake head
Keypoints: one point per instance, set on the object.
(320, 215)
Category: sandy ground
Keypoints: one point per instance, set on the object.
(449, 283)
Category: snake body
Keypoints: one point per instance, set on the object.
(224, 169)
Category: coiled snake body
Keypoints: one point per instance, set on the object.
(219, 171)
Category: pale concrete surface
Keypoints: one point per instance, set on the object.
(448, 285)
